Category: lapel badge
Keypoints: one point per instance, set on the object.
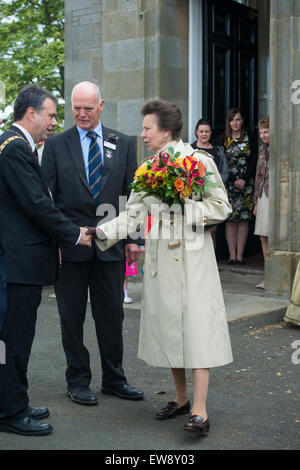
(110, 144)
(108, 153)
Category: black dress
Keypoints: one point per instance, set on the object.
(241, 158)
(219, 157)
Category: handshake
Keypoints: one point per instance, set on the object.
(86, 236)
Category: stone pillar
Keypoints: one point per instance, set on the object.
(83, 51)
(263, 7)
(135, 50)
(284, 221)
(145, 56)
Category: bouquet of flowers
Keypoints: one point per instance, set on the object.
(172, 178)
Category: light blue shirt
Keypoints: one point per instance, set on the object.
(85, 145)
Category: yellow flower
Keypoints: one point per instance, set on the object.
(187, 160)
(228, 142)
(140, 171)
(159, 175)
(180, 161)
(186, 192)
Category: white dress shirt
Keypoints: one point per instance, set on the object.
(27, 135)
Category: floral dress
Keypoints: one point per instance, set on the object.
(238, 157)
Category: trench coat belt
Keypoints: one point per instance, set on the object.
(173, 243)
(153, 257)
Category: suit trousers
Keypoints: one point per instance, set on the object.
(104, 280)
(17, 335)
(3, 300)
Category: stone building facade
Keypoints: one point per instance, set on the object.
(143, 49)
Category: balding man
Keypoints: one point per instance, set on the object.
(88, 166)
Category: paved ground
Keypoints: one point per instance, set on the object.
(241, 297)
(253, 403)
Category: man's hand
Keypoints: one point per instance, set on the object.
(84, 239)
(132, 252)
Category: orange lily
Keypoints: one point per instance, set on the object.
(202, 169)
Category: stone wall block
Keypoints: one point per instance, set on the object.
(121, 25)
(73, 5)
(279, 274)
(110, 5)
(130, 87)
(175, 19)
(129, 116)
(123, 55)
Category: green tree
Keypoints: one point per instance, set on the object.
(32, 47)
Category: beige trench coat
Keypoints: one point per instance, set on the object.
(183, 320)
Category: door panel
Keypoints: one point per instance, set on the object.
(246, 92)
(221, 21)
(230, 62)
(222, 88)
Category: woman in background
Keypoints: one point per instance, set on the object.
(203, 132)
(241, 152)
(261, 190)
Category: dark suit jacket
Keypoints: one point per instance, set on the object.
(29, 221)
(2, 288)
(63, 168)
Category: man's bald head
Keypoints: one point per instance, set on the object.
(86, 88)
(87, 105)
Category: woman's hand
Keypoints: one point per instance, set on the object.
(255, 210)
(91, 231)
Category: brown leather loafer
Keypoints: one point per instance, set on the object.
(197, 424)
(172, 410)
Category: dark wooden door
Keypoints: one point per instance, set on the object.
(230, 62)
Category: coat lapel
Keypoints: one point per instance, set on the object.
(35, 162)
(109, 159)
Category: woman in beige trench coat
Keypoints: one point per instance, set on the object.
(183, 321)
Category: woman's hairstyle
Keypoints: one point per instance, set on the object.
(264, 123)
(231, 113)
(31, 96)
(202, 122)
(169, 116)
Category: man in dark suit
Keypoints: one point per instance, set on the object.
(88, 167)
(30, 224)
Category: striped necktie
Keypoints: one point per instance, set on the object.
(95, 166)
